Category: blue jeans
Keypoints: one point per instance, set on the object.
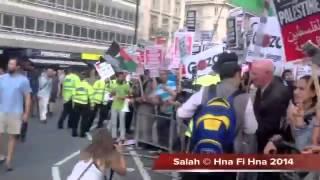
(303, 136)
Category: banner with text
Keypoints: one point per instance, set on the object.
(183, 42)
(236, 163)
(300, 22)
(271, 46)
(153, 57)
(104, 70)
(203, 61)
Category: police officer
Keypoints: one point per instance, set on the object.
(102, 102)
(69, 84)
(82, 105)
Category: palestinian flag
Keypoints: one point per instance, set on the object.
(126, 62)
(120, 59)
(257, 7)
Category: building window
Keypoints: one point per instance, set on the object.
(165, 24)
(107, 11)
(129, 40)
(123, 38)
(70, 4)
(131, 17)
(119, 14)
(216, 10)
(76, 31)
(60, 3)
(100, 9)
(118, 37)
(126, 15)
(93, 7)
(105, 36)
(98, 35)
(59, 28)
(77, 4)
(19, 22)
(84, 32)
(68, 29)
(91, 34)
(112, 36)
(7, 20)
(30, 23)
(113, 12)
(50, 27)
(40, 25)
(85, 6)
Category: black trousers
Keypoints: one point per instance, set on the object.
(81, 112)
(67, 111)
(262, 140)
(103, 111)
(129, 117)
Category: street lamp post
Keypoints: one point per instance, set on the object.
(135, 38)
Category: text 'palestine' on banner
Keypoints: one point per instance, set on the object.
(300, 22)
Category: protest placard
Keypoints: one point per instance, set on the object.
(271, 47)
(153, 57)
(300, 22)
(203, 61)
(104, 70)
(183, 42)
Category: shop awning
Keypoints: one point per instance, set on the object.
(57, 62)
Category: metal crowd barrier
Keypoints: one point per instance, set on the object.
(157, 130)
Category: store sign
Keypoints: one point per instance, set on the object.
(55, 54)
(91, 57)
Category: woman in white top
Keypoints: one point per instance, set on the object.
(99, 159)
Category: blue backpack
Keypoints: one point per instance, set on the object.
(214, 124)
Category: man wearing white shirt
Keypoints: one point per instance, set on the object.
(45, 88)
(230, 73)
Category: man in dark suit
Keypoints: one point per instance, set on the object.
(270, 105)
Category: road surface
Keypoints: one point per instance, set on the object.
(50, 154)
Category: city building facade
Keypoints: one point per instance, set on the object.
(67, 25)
(210, 18)
(160, 18)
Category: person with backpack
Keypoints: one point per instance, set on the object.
(221, 114)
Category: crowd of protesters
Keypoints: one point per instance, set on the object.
(268, 109)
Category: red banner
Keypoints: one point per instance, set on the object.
(234, 162)
(300, 22)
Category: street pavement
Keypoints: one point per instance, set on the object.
(46, 146)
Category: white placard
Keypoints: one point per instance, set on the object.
(272, 45)
(104, 70)
(202, 61)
